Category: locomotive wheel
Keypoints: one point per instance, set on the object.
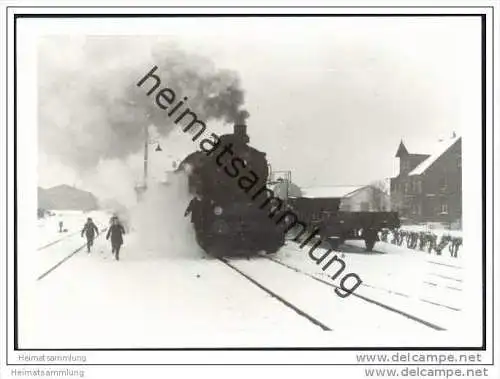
(370, 243)
(272, 250)
(202, 242)
(275, 242)
(222, 248)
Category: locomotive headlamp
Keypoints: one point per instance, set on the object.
(218, 210)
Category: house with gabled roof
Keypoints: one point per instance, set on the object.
(428, 187)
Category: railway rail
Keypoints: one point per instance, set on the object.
(278, 295)
(314, 319)
(367, 299)
(426, 282)
(60, 262)
(58, 240)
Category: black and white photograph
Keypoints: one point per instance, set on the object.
(271, 180)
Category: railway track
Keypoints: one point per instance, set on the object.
(367, 299)
(425, 282)
(65, 258)
(322, 322)
(57, 240)
(277, 297)
(308, 312)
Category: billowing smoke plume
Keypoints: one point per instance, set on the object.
(90, 108)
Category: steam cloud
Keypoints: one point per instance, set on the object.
(90, 108)
(161, 229)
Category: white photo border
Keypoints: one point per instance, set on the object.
(252, 356)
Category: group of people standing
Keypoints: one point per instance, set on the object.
(423, 241)
(115, 233)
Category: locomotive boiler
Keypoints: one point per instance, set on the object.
(226, 220)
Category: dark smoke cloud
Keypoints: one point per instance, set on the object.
(91, 109)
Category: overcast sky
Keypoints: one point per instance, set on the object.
(330, 98)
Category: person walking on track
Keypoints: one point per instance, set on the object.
(91, 232)
(116, 232)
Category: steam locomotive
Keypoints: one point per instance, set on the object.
(226, 220)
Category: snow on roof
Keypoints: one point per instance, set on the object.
(329, 192)
(439, 150)
(421, 144)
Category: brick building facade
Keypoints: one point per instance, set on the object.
(428, 187)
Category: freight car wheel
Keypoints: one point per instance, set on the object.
(334, 242)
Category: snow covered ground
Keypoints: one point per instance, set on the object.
(54, 246)
(145, 300)
(151, 298)
(73, 221)
(412, 281)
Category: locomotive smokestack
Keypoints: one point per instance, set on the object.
(240, 130)
(240, 127)
(241, 116)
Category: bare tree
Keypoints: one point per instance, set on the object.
(380, 195)
(397, 201)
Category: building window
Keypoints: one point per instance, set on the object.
(405, 165)
(443, 184)
(416, 209)
(444, 208)
(407, 187)
(416, 185)
(459, 161)
(365, 206)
